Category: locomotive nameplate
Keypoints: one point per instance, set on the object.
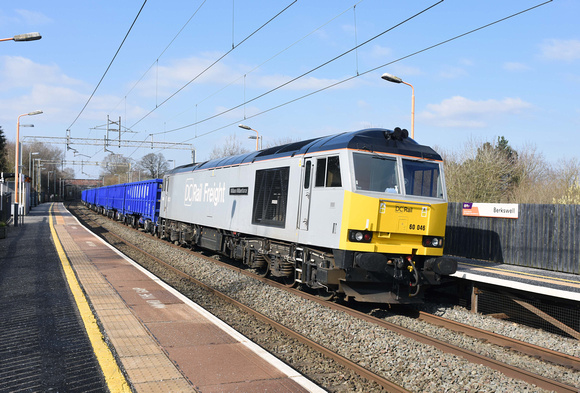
(238, 190)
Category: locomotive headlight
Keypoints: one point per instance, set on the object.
(432, 241)
(360, 236)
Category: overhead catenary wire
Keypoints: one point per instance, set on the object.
(214, 63)
(304, 74)
(110, 64)
(268, 60)
(363, 73)
(346, 79)
(156, 62)
(206, 69)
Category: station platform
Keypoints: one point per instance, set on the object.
(553, 284)
(76, 315)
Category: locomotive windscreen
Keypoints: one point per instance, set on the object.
(376, 173)
(422, 179)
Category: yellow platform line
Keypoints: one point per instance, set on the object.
(113, 376)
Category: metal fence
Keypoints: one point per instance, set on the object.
(544, 237)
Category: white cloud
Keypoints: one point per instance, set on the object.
(18, 72)
(168, 78)
(26, 86)
(466, 62)
(566, 50)
(453, 72)
(363, 104)
(380, 52)
(463, 112)
(33, 18)
(514, 66)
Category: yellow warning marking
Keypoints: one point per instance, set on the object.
(114, 377)
(531, 276)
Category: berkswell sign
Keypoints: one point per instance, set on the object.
(498, 210)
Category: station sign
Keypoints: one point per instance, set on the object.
(497, 210)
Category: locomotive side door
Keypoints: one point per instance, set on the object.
(305, 195)
(164, 195)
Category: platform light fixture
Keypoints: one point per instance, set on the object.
(16, 164)
(23, 37)
(396, 79)
(257, 137)
(30, 166)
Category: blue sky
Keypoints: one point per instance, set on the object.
(519, 78)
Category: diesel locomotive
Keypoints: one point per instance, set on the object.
(359, 214)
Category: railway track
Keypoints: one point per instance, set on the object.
(536, 351)
(387, 385)
(514, 372)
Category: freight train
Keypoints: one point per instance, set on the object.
(359, 214)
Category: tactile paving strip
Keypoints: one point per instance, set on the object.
(146, 364)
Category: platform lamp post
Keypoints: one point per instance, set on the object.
(257, 137)
(35, 165)
(39, 180)
(31, 169)
(48, 184)
(396, 79)
(16, 166)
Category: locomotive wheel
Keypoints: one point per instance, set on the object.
(264, 270)
(290, 282)
(261, 264)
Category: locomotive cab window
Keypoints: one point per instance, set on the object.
(376, 173)
(422, 178)
(307, 175)
(328, 172)
(270, 197)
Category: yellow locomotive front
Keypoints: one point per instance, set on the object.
(393, 227)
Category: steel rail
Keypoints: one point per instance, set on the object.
(506, 369)
(361, 371)
(536, 351)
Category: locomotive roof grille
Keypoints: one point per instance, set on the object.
(372, 139)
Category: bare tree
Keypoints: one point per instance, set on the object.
(567, 181)
(153, 165)
(486, 172)
(115, 169)
(231, 147)
(281, 141)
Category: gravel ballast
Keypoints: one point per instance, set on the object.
(415, 366)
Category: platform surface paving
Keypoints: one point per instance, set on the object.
(164, 343)
(43, 344)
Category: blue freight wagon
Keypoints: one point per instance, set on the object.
(142, 203)
(88, 196)
(136, 204)
(102, 201)
(116, 198)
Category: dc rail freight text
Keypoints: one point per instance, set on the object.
(359, 214)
